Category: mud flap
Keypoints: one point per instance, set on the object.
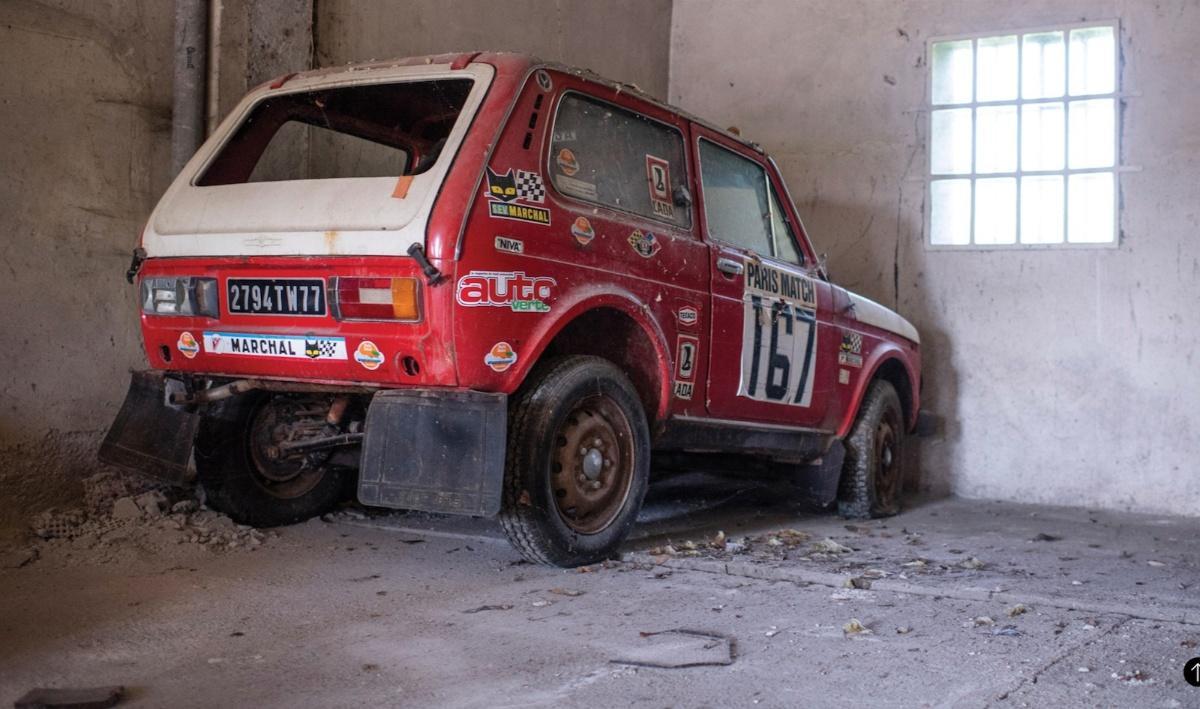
(434, 451)
(817, 482)
(149, 436)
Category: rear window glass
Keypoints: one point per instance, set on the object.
(618, 158)
(379, 130)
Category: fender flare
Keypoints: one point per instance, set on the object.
(585, 299)
(883, 354)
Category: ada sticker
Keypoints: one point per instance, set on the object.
(368, 355)
(582, 231)
(512, 246)
(501, 357)
(187, 345)
(507, 190)
(683, 390)
(504, 289)
(658, 177)
(646, 245)
(288, 346)
(850, 353)
(779, 336)
(567, 162)
(688, 315)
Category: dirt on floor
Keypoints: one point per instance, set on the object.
(729, 595)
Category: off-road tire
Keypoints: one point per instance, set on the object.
(861, 492)
(224, 468)
(538, 414)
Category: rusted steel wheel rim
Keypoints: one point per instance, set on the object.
(593, 465)
(887, 461)
(278, 420)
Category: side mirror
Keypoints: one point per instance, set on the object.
(681, 196)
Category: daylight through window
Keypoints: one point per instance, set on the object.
(1023, 138)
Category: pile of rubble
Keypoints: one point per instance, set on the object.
(778, 545)
(124, 513)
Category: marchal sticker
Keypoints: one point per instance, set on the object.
(509, 245)
(368, 355)
(567, 162)
(646, 245)
(187, 345)
(501, 357)
(505, 289)
(582, 230)
(688, 315)
(287, 346)
(507, 191)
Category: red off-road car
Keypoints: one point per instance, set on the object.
(485, 285)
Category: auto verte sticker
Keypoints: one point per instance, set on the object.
(505, 289)
(779, 335)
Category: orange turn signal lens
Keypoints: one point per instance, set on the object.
(404, 299)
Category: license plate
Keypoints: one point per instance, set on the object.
(275, 296)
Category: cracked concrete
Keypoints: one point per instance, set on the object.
(370, 609)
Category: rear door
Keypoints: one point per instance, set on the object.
(771, 339)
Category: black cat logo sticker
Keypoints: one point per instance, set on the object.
(506, 192)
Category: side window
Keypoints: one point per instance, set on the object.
(617, 158)
(735, 199)
(785, 238)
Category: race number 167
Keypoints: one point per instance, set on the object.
(778, 343)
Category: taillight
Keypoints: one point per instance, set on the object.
(376, 299)
(175, 295)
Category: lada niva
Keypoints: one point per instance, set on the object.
(485, 285)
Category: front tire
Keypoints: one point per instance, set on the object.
(873, 471)
(253, 484)
(578, 462)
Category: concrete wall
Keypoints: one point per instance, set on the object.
(626, 40)
(1066, 376)
(85, 114)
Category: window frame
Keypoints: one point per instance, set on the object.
(548, 157)
(772, 192)
(1066, 99)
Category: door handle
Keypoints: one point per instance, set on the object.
(730, 267)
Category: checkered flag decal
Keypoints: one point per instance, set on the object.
(530, 187)
(328, 348)
(852, 342)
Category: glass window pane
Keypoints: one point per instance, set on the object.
(996, 139)
(1042, 139)
(735, 198)
(1090, 208)
(950, 212)
(1093, 61)
(1042, 209)
(1091, 133)
(996, 69)
(996, 210)
(950, 149)
(1043, 67)
(952, 69)
(785, 240)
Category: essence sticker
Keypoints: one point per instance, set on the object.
(368, 355)
(187, 345)
(501, 357)
(567, 162)
(582, 230)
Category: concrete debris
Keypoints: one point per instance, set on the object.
(495, 607)
(152, 503)
(855, 627)
(1017, 610)
(972, 564)
(58, 524)
(829, 546)
(573, 593)
(979, 621)
(674, 649)
(126, 509)
(903, 630)
(915, 564)
(90, 698)
(1157, 564)
(185, 507)
(860, 582)
(1008, 630)
(1043, 537)
(1134, 678)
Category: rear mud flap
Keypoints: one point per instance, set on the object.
(434, 451)
(149, 436)
(818, 482)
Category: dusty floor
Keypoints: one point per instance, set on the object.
(410, 610)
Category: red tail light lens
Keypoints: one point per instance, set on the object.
(377, 299)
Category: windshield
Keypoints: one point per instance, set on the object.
(376, 130)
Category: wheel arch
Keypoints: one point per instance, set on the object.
(614, 326)
(891, 366)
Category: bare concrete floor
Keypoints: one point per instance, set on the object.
(411, 610)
